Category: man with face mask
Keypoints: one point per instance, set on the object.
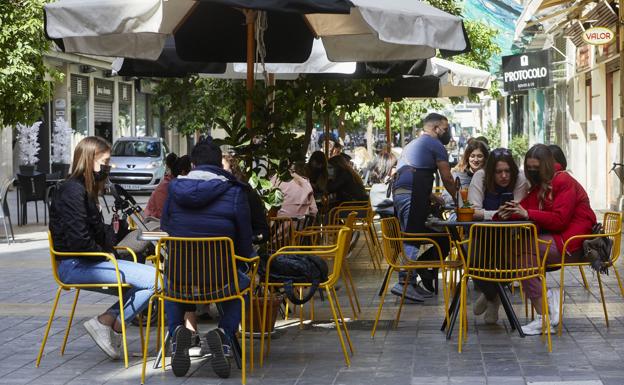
(419, 162)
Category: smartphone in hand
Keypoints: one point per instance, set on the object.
(506, 197)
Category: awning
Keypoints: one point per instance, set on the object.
(535, 7)
(457, 75)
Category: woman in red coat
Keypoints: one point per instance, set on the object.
(559, 207)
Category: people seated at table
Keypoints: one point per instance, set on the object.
(208, 202)
(298, 196)
(344, 181)
(560, 208)
(419, 161)
(473, 160)
(317, 174)
(490, 188)
(77, 225)
(559, 156)
(382, 169)
(259, 223)
(175, 166)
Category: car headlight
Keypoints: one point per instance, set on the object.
(152, 165)
(113, 165)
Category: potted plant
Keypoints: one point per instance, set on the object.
(61, 147)
(466, 212)
(28, 147)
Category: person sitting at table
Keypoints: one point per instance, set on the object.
(559, 156)
(382, 170)
(490, 187)
(344, 181)
(560, 208)
(316, 172)
(473, 160)
(175, 166)
(298, 196)
(77, 225)
(208, 202)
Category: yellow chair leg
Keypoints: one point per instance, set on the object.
(251, 330)
(347, 271)
(583, 277)
(263, 331)
(462, 305)
(312, 309)
(371, 248)
(546, 318)
(47, 331)
(146, 342)
(300, 308)
(407, 279)
(344, 324)
(333, 309)
(349, 295)
(286, 308)
(69, 322)
(604, 304)
(161, 314)
(123, 325)
(617, 275)
(381, 302)
(140, 319)
(243, 347)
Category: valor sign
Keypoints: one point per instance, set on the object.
(526, 71)
(598, 36)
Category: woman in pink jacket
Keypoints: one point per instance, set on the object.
(175, 166)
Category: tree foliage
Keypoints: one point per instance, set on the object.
(23, 88)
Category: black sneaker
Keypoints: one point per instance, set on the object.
(180, 359)
(220, 362)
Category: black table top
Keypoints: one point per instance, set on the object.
(440, 222)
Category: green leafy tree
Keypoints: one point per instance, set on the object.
(493, 135)
(23, 88)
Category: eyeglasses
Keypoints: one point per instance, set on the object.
(501, 152)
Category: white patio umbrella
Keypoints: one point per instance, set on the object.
(224, 30)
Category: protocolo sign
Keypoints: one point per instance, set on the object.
(526, 71)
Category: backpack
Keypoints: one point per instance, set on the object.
(598, 250)
(293, 268)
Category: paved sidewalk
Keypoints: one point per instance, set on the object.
(415, 353)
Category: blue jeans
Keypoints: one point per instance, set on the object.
(230, 311)
(402, 204)
(140, 277)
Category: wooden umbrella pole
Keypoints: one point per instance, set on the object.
(327, 136)
(388, 131)
(250, 18)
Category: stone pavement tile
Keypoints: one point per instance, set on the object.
(612, 380)
(441, 380)
(493, 380)
(467, 380)
(361, 377)
(546, 379)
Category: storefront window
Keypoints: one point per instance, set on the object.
(140, 114)
(125, 110)
(80, 104)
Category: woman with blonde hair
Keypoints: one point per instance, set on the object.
(77, 225)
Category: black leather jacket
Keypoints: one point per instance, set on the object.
(76, 222)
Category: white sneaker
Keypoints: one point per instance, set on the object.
(103, 337)
(553, 307)
(534, 328)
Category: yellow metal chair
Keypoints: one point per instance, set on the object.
(114, 288)
(200, 271)
(336, 252)
(328, 236)
(612, 222)
(281, 231)
(502, 253)
(394, 252)
(363, 223)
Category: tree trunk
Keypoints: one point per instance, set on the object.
(308, 131)
(370, 145)
(341, 125)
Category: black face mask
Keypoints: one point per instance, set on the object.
(101, 175)
(534, 176)
(445, 138)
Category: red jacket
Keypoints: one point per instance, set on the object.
(565, 213)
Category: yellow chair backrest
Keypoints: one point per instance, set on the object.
(281, 231)
(325, 235)
(200, 269)
(503, 253)
(340, 253)
(392, 245)
(612, 224)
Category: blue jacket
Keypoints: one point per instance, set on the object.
(209, 202)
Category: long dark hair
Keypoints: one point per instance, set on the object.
(340, 162)
(558, 155)
(472, 145)
(382, 167)
(546, 169)
(85, 153)
(316, 171)
(500, 155)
